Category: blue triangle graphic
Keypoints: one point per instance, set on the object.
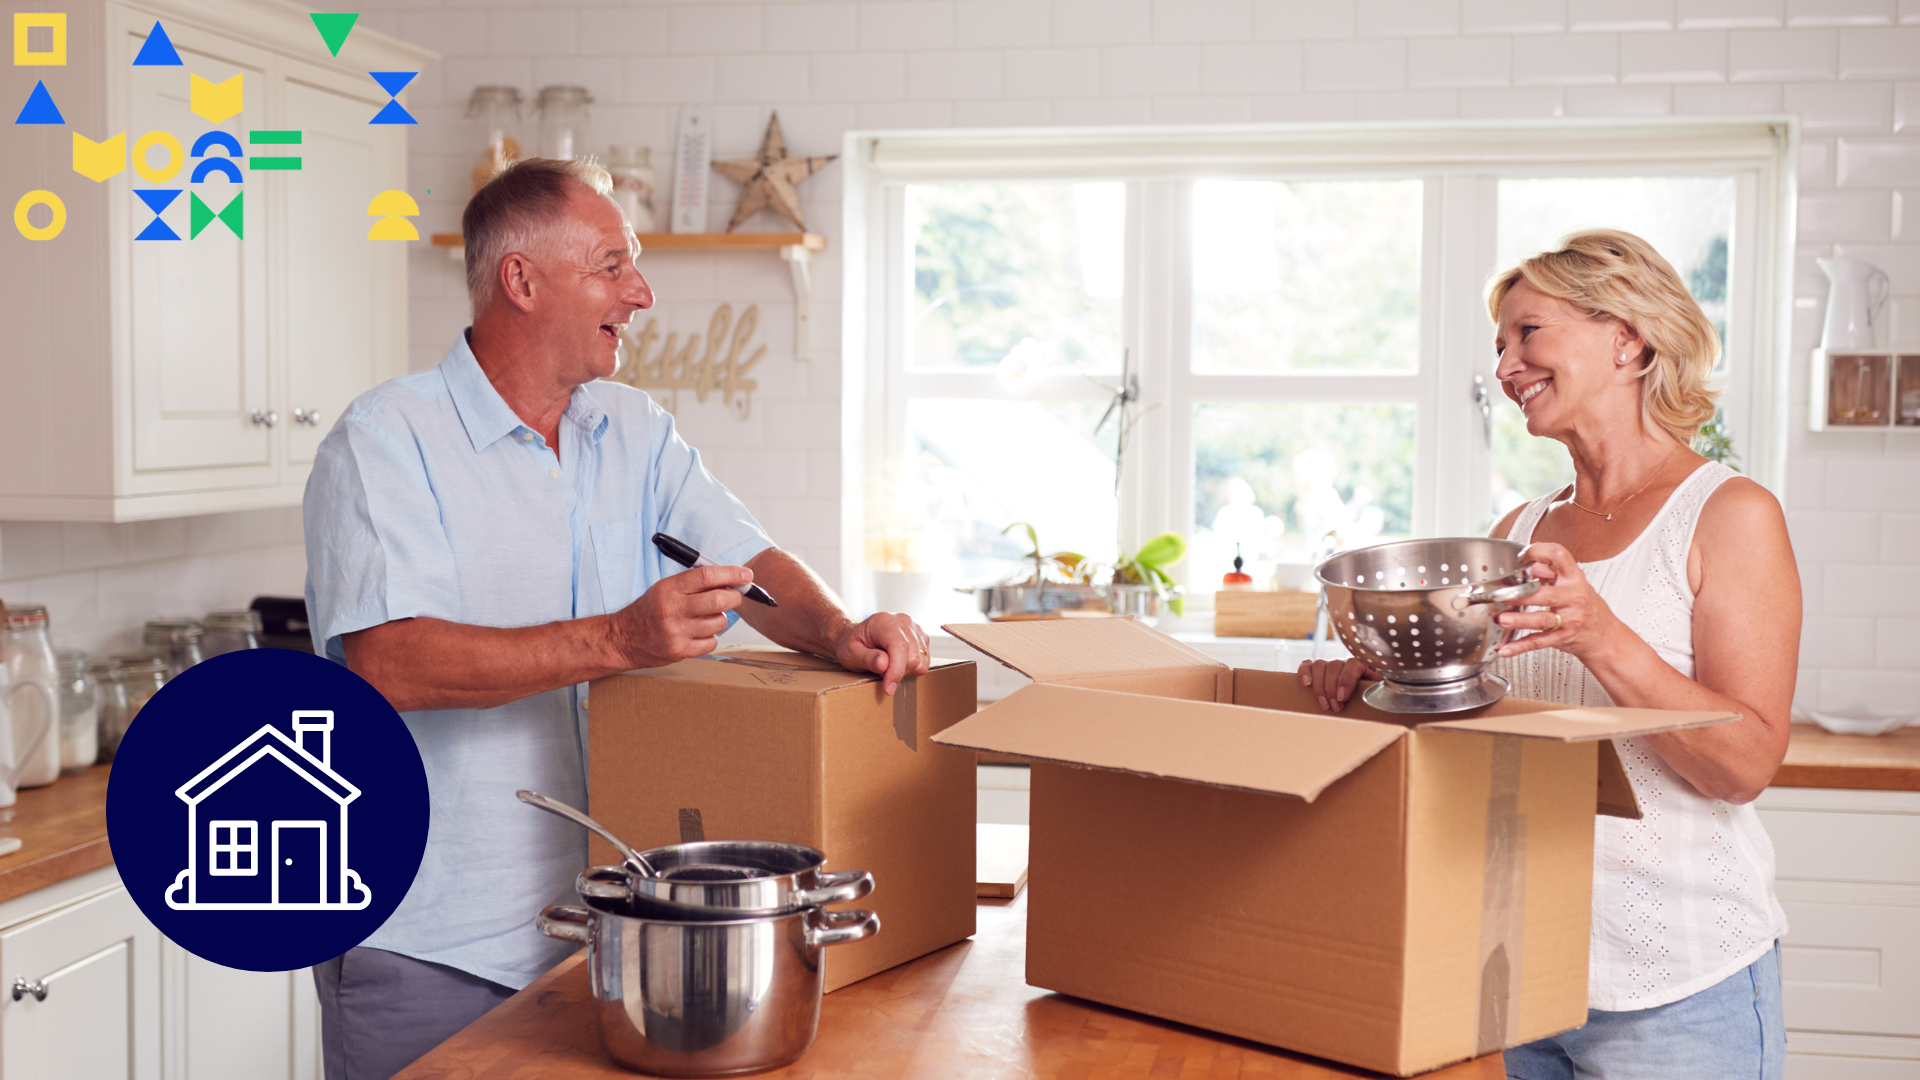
(393, 114)
(393, 81)
(158, 52)
(157, 199)
(157, 231)
(40, 108)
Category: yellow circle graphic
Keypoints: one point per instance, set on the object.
(176, 157)
(39, 198)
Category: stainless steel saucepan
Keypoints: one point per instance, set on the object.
(748, 875)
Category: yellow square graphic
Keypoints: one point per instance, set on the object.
(24, 21)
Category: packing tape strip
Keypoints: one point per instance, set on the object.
(906, 713)
(1502, 898)
(692, 829)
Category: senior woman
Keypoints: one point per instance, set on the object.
(1669, 583)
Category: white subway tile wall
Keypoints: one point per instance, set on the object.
(1849, 68)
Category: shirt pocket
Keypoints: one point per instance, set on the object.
(616, 556)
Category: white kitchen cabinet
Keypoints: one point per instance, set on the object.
(81, 997)
(1849, 879)
(160, 378)
(220, 1023)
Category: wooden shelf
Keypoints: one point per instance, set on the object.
(773, 241)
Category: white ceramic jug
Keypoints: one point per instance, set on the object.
(1853, 303)
(17, 756)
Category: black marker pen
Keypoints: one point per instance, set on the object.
(689, 558)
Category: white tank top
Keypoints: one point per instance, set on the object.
(1683, 897)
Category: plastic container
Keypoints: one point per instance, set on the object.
(229, 631)
(79, 712)
(28, 653)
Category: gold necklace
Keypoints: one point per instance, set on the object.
(1616, 506)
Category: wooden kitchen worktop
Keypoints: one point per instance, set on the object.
(965, 1010)
(63, 829)
(1819, 759)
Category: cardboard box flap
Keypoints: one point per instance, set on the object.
(1201, 742)
(1048, 650)
(1586, 725)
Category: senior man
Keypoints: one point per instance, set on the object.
(478, 550)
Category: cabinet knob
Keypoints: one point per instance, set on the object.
(265, 418)
(310, 417)
(21, 988)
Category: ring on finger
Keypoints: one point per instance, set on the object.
(1557, 620)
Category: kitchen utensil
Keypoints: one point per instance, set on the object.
(1862, 722)
(748, 875)
(705, 998)
(1857, 294)
(1420, 613)
(613, 886)
(555, 806)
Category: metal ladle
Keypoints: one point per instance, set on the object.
(555, 806)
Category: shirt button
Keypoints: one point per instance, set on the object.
(528, 436)
(555, 473)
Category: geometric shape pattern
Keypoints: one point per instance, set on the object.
(39, 198)
(217, 138)
(158, 50)
(274, 138)
(40, 108)
(334, 28)
(157, 200)
(393, 81)
(393, 207)
(392, 113)
(176, 156)
(393, 228)
(223, 166)
(56, 56)
(203, 215)
(99, 161)
(214, 102)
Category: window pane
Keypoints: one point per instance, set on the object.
(1525, 467)
(977, 467)
(998, 265)
(1277, 477)
(1308, 276)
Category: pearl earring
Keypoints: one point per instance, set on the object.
(1623, 358)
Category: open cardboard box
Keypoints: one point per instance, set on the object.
(765, 744)
(1209, 848)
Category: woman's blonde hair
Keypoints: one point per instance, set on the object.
(1611, 274)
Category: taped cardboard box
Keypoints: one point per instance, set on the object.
(1353, 887)
(764, 744)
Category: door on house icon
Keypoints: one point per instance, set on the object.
(299, 862)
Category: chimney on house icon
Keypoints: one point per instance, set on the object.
(315, 732)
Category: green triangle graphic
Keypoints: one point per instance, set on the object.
(334, 29)
(201, 215)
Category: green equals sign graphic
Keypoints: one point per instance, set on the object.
(273, 138)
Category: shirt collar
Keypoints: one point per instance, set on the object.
(482, 410)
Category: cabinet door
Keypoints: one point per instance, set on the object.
(227, 1024)
(343, 290)
(99, 963)
(199, 312)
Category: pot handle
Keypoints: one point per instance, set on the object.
(839, 927)
(835, 888)
(1481, 594)
(565, 922)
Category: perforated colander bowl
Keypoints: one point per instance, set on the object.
(1420, 612)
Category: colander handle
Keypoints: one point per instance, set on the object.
(835, 888)
(565, 922)
(1480, 594)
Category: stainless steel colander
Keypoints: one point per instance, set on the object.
(1420, 613)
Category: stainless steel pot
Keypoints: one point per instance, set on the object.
(698, 998)
(748, 875)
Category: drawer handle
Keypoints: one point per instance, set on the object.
(265, 418)
(306, 416)
(21, 988)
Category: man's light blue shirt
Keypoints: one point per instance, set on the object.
(430, 499)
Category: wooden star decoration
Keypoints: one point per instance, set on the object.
(767, 181)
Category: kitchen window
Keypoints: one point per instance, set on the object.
(1294, 317)
(234, 849)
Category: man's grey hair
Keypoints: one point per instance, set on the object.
(521, 209)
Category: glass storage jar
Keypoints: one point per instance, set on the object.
(563, 121)
(631, 168)
(178, 640)
(79, 712)
(28, 654)
(113, 704)
(229, 631)
(497, 108)
(142, 675)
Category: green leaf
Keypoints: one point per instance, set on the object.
(1163, 550)
(1177, 605)
(1032, 538)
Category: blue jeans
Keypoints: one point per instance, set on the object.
(1732, 1030)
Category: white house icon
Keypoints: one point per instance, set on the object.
(267, 827)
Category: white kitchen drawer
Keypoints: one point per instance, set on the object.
(98, 961)
(1867, 836)
(1822, 1056)
(1852, 967)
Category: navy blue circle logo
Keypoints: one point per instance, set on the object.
(267, 810)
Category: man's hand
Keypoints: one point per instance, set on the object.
(888, 645)
(680, 617)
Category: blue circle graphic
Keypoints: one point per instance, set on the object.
(267, 810)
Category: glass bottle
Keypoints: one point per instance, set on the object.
(142, 674)
(633, 181)
(229, 631)
(563, 121)
(28, 653)
(79, 712)
(497, 108)
(178, 640)
(113, 704)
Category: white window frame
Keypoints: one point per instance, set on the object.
(215, 848)
(1462, 164)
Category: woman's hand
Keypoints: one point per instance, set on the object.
(1333, 681)
(1575, 619)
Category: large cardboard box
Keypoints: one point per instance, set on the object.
(1209, 848)
(764, 744)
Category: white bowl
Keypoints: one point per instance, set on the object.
(1861, 724)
